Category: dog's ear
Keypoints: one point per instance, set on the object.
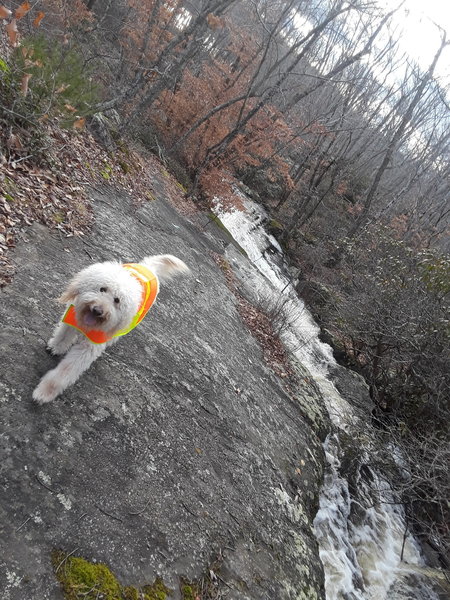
(70, 293)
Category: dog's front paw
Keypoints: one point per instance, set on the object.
(47, 390)
(50, 351)
(55, 349)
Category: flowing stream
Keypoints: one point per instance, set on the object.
(360, 547)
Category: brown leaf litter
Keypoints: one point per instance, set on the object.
(55, 190)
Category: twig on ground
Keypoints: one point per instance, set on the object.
(24, 523)
(108, 514)
(45, 485)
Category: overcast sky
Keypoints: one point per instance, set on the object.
(420, 36)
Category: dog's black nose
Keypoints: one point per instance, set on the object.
(97, 311)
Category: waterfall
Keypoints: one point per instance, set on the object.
(361, 541)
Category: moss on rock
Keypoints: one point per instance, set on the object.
(80, 578)
(275, 227)
(189, 590)
(157, 591)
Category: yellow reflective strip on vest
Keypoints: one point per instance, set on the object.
(151, 288)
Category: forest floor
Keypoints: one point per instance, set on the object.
(55, 191)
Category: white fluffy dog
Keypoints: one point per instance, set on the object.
(105, 301)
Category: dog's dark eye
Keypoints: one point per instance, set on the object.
(117, 300)
(103, 289)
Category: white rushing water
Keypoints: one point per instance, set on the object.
(360, 539)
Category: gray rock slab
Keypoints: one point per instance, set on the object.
(179, 445)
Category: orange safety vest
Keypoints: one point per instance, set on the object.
(150, 288)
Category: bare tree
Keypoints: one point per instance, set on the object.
(396, 137)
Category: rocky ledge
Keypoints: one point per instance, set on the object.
(178, 453)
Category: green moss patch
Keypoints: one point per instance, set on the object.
(126, 168)
(275, 226)
(157, 591)
(80, 578)
(189, 591)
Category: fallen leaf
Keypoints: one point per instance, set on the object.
(22, 10)
(38, 18)
(4, 12)
(79, 123)
(62, 88)
(12, 31)
(24, 84)
(50, 178)
(13, 142)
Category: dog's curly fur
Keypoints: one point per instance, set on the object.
(106, 297)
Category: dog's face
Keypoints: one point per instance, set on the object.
(105, 296)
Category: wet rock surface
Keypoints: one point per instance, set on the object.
(179, 447)
(352, 386)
